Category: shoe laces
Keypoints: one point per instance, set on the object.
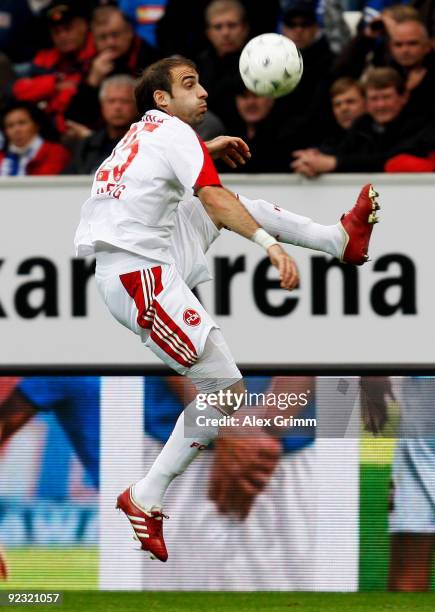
(156, 514)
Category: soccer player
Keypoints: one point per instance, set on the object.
(412, 487)
(76, 402)
(128, 223)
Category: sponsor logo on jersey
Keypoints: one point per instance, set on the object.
(191, 317)
(103, 175)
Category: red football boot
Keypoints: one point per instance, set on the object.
(358, 225)
(147, 525)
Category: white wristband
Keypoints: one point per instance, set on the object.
(264, 239)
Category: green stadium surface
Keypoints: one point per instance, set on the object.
(211, 602)
(376, 457)
(52, 568)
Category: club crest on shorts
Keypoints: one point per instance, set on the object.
(191, 317)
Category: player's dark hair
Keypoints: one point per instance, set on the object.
(157, 76)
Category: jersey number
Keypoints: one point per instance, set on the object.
(128, 148)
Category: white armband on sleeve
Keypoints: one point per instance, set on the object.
(264, 239)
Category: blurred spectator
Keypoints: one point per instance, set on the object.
(329, 17)
(372, 10)
(227, 31)
(55, 73)
(306, 108)
(144, 15)
(26, 151)
(119, 51)
(260, 129)
(182, 28)
(370, 47)
(414, 58)
(384, 132)
(23, 31)
(348, 104)
(118, 110)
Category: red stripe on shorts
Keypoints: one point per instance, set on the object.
(169, 350)
(166, 333)
(174, 328)
(132, 282)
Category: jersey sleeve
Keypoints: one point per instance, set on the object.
(189, 158)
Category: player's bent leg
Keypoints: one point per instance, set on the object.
(410, 561)
(215, 371)
(157, 305)
(347, 240)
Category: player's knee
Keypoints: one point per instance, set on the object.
(216, 369)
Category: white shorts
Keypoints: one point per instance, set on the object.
(157, 305)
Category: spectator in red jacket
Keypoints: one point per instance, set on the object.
(26, 151)
(119, 51)
(56, 73)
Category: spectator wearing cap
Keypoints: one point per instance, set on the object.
(118, 110)
(387, 130)
(308, 105)
(55, 73)
(227, 31)
(26, 150)
(119, 51)
(330, 17)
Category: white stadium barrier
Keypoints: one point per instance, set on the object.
(51, 315)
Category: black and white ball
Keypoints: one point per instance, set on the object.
(271, 65)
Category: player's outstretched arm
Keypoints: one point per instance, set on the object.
(226, 210)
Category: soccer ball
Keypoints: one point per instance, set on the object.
(271, 65)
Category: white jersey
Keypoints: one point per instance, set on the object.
(138, 188)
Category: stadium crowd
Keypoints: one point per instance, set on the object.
(365, 102)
